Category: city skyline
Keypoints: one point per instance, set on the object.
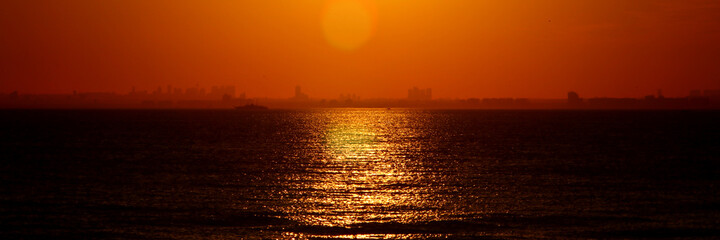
(227, 97)
(220, 90)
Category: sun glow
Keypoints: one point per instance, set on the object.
(347, 24)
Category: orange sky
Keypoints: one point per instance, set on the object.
(459, 48)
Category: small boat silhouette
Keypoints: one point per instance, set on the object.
(251, 107)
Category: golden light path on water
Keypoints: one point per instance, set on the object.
(363, 172)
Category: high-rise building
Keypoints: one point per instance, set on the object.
(419, 94)
(573, 98)
(299, 95)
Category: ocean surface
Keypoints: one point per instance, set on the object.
(359, 173)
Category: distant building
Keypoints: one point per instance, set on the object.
(573, 98)
(419, 94)
(194, 92)
(299, 95)
(713, 96)
(349, 97)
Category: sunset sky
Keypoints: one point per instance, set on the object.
(459, 48)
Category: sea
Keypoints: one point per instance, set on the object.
(359, 174)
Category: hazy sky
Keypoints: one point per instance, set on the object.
(459, 48)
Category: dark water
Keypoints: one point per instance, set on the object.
(359, 173)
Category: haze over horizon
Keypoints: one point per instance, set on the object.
(375, 49)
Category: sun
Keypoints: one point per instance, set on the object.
(347, 24)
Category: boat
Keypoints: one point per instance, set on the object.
(251, 107)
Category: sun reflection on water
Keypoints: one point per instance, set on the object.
(360, 173)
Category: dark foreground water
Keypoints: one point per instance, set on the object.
(359, 173)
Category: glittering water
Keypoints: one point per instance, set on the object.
(360, 173)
